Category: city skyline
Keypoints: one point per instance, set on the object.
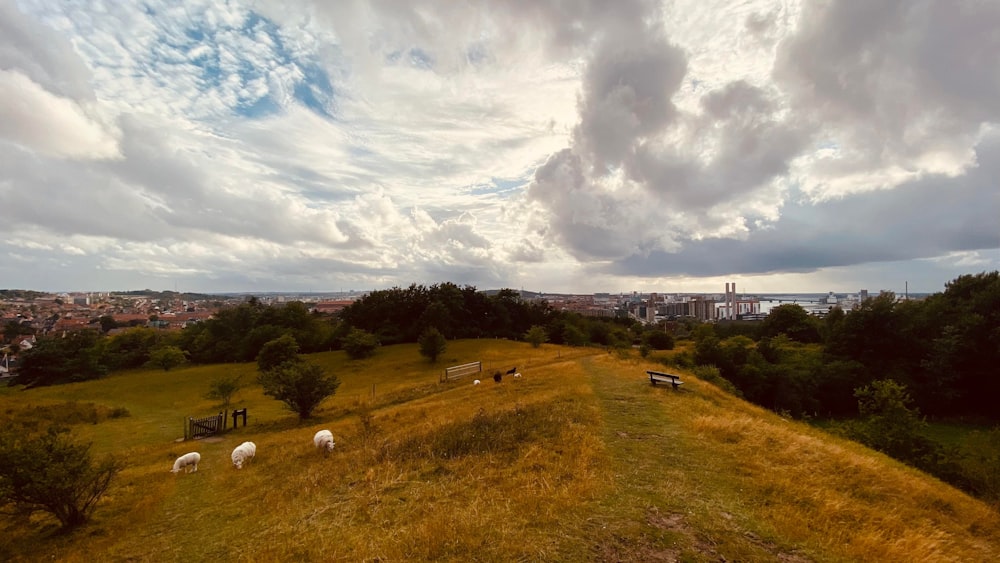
(263, 146)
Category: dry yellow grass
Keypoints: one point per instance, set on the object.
(579, 460)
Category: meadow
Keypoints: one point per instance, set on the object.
(581, 459)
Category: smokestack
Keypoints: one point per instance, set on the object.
(735, 311)
(725, 308)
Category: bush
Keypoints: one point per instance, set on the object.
(711, 375)
(659, 340)
(276, 352)
(360, 344)
(49, 472)
(167, 357)
(536, 336)
(223, 388)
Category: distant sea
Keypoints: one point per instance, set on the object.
(812, 301)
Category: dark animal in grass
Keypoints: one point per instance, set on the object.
(497, 377)
(511, 371)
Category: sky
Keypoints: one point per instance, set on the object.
(547, 145)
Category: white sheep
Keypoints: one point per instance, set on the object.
(324, 439)
(188, 462)
(476, 382)
(244, 453)
(518, 374)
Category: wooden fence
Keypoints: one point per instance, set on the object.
(455, 372)
(198, 427)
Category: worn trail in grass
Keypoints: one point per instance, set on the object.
(706, 476)
(664, 489)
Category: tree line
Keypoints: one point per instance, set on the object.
(944, 349)
(392, 316)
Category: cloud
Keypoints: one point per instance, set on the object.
(270, 145)
(935, 215)
(51, 125)
(895, 89)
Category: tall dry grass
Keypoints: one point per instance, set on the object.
(579, 460)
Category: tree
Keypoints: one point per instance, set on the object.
(167, 357)
(536, 336)
(276, 352)
(107, 323)
(888, 424)
(54, 360)
(49, 472)
(573, 336)
(793, 321)
(659, 340)
(224, 387)
(301, 385)
(360, 344)
(432, 344)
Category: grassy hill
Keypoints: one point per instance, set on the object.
(578, 460)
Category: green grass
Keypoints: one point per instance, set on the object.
(579, 460)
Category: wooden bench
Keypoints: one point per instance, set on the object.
(660, 377)
(455, 372)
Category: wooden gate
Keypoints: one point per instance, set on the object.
(198, 427)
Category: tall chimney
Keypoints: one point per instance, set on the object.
(725, 308)
(736, 311)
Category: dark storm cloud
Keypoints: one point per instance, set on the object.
(923, 219)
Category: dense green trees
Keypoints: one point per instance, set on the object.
(793, 321)
(400, 315)
(944, 349)
(73, 357)
(237, 334)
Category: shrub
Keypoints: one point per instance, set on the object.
(711, 375)
(660, 340)
(49, 472)
(276, 352)
(167, 357)
(360, 344)
(536, 336)
(223, 388)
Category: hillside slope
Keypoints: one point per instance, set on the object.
(578, 460)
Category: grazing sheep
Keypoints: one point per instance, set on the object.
(476, 382)
(244, 453)
(324, 439)
(188, 462)
(517, 374)
(497, 377)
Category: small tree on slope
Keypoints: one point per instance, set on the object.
(432, 344)
(49, 472)
(302, 386)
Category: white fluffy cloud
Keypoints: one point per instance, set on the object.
(260, 145)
